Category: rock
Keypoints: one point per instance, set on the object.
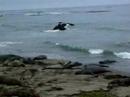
(119, 82)
(96, 93)
(15, 63)
(54, 67)
(40, 84)
(107, 62)
(51, 62)
(70, 64)
(40, 57)
(115, 76)
(9, 57)
(92, 69)
(55, 89)
(10, 81)
(28, 61)
(54, 80)
(18, 92)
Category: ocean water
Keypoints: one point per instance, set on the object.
(100, 33)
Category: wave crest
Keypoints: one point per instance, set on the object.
(52, 31)
(95, 51)
(6, 43)
(124, 55)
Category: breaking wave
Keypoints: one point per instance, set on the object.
(56, 13)
(123, 55)
(95, 51)
(7, 43)
(52, 31)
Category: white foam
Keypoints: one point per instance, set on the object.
(52, 31)
(95, 51)
(67, 26)
(124, 55)
(32, 14)
(6, 43)
(55, 13)
(57, 43)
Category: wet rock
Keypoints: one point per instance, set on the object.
(18, 92)
(52, 62)
(115, 76)
(107, 62)
(92, 69)
(9, 57)
(101, 65)
(28, 61)
(40, 57)
(119, 82)
(96, 93)
(70, 64)
(15, 63)
(40, 84)
(54, 80)
(55, 89)
(54, 67)
(10, 81)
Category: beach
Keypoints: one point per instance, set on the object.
(42, 77)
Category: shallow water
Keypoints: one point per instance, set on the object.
(99, 33)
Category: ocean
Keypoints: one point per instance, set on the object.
(100, 33)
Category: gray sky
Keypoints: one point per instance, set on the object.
(28, 4)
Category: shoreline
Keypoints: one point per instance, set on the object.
(42, 77)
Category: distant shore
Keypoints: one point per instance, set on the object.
(42, 77)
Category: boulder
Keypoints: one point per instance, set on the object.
(28, 61)
(10, 81)
(119, 82)
(18, 92)
(40, 57)
(15, 63)
(9, 57)
(107, 62)
(114, 76)
(92, 69)
(70, 64)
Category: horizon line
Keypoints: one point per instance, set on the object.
(64, 7)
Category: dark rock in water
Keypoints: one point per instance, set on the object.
(9, 57)
(92, 69)
(41, 57)
(107, 62)
(119, 82)
(70, 64)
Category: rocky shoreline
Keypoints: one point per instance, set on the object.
(42, 77)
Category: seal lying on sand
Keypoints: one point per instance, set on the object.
(62, 26)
